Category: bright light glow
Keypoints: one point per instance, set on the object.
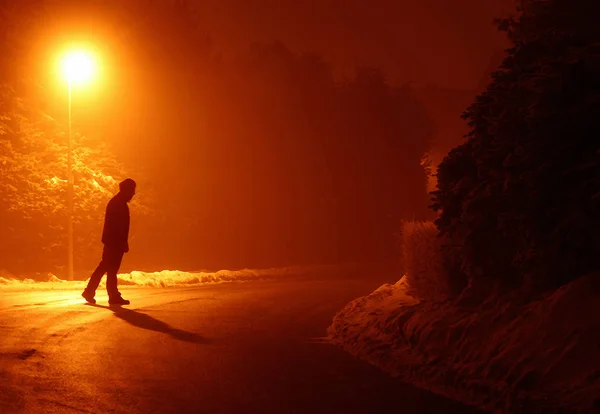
(78, 67)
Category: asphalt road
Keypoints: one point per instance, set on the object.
(253, 347)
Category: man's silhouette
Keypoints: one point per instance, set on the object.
(115, 239)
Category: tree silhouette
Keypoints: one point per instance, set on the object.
(516, 200)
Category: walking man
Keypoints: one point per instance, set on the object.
(115, 239)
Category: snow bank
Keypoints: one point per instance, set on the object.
(168, 278)
(504, 357)
(165, 278)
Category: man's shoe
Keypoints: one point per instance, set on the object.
(89, 297)
(118, 301)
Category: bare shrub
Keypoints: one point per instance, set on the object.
(422, 261)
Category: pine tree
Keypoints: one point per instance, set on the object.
(518, 201)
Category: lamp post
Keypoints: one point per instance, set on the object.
(78, 67)
(70, 191)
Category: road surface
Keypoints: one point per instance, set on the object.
(253, 347)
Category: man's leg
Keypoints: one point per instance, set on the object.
(96, 277)
(111, 274)
(90, 290)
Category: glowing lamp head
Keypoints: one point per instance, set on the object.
(78, 67)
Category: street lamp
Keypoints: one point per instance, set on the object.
(78, 68)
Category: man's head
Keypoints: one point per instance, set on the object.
(127, 189)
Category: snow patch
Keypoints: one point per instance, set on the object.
(165, 278)
(505, 357)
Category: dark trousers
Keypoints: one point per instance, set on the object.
(110, 264)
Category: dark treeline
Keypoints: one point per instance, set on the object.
(259, 160)
(518, 202)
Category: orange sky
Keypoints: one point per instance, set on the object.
(409, 38)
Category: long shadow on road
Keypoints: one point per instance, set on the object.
(145, 321)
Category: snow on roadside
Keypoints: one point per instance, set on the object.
(504, 357)
(363, 325)
(165, 278)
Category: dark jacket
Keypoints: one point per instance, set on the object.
(116, 224)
